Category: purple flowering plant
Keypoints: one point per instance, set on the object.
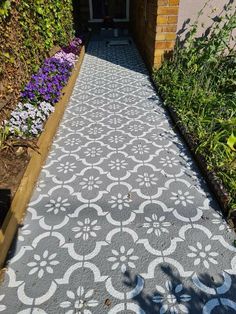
(47, 84)
(42, 92)
(74, 46)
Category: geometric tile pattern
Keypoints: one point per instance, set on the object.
(121, 220)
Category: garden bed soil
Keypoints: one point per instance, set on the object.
(14, 159)
(21, 166)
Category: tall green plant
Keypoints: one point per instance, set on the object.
(199, 82)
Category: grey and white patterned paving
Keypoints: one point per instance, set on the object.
(120, 221)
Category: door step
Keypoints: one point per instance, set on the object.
(122, 42)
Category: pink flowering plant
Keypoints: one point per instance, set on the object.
(42, 93)
(74, 46)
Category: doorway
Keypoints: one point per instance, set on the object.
(117, 9)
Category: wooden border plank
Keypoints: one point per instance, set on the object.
(27, 184)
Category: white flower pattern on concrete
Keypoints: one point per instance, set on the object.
(57, 205)
(120, 201)
(90, 183)
(79, 302)
(218, 220)
(66, 167)
(123, 258)
(140, 149)
(86, 229)
(2, 307)
(114, 120)
(86, 260)
(72, 141)
(43, 264)
(118, 164)
(136, 127)
(202, 255)
(147, 179)
(155, 225)
(92, 152)
(116, 139)
(169, 162)
(24, 231)
(96, 130)
(182, 198)
(171, 298)
(40, 185)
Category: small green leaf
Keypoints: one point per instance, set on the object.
(232, 142)
(40, 11)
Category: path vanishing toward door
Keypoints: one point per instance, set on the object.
(121, 220)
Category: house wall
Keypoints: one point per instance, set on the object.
(188, 11)
(154, 24)
(143, 15)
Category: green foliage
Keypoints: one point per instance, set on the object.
(29, 29)
(5, 6)
(199, 82)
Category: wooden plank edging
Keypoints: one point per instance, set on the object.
(25, 190)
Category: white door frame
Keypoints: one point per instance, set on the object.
(92, 20)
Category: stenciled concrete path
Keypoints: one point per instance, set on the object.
(121, 221)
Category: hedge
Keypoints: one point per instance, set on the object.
(29, 29)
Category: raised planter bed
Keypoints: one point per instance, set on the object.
(37, 158)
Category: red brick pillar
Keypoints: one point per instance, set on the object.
(166, 27)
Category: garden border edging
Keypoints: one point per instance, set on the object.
(27, 184)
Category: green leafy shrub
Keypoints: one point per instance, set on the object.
(199, 83)
(29, 29)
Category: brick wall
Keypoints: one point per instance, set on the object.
(154, 24)
(143, 15)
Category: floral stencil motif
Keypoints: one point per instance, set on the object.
(86, 229)
(182, 198)
(116, 139)
(202, 255)
(90, 183)
(118, 164)
(72, 141)
(171, 298)
(119, 201)
(77, 123)
(95, 130)
(122, 259)
(136, 127)
(66, 167)
(57, 205)
(24, 231)
(2, 307)
(140, 149)
(92, 152)
(114, 120)
(40, 185)
(147, 179)
(218, 220)
(79, 303)
(155, 225)
(43, 264)
(169, 162)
